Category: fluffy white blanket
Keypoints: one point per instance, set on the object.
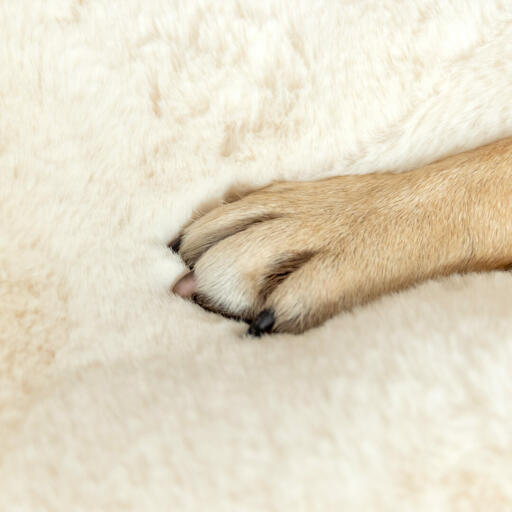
(117, 119)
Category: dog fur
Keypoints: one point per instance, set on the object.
(304, 251)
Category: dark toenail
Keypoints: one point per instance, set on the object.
(262, 324)
(175, 244)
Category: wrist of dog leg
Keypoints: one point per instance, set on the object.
(475, 199)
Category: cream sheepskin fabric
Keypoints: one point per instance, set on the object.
(117, 120)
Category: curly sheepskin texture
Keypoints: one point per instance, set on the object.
(117, 121)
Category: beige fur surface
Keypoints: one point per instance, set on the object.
(117, 120)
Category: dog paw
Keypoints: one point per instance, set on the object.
(289, 256)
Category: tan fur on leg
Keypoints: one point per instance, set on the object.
(308, 250)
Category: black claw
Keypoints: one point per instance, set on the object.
(262, 324)
(175, 244)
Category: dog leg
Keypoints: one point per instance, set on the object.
(289, 256)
